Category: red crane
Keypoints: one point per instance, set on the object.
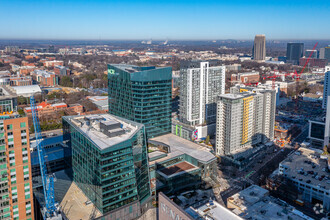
(294, 74)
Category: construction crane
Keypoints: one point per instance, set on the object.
(50, 209)
(294, 75)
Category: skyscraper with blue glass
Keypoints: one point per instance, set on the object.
(142, 94)
(110, 163)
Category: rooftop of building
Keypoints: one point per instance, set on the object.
(214, 210)
(26, 89)
(133, 68)
(104, 130)
(236, 95)
(43, 73)
(70, 198)
(7, 92)
(248, 73)
(177, 169)
(306, 165)
(179, 146)
(254, 202)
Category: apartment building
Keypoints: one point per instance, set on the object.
(16, 197)
(245, 120)
(199, 88)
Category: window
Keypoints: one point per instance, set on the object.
(9, 127)
(23, 125)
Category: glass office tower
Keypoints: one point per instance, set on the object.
(109, 162)
(142, 94)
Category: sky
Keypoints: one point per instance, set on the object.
(164, 19)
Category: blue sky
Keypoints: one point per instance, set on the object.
(160, 19)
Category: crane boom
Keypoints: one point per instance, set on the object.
(47, 180)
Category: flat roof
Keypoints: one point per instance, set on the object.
(70, 198)
(177, 168)
(90, 126)
(304, 160)
(180, 145)
(235, 95)
(254, 202)
(215, 211)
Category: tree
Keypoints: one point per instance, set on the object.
(66, 81)
(207, 140)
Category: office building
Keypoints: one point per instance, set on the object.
(309, 52)
(16, 197)
(142, 94)
(8, 99)
(246, 78)
(327, 54)
(177, 164)
(244, 120)
(45, 78)
(62, 71)
(110, 163)
(306, 170)
(326, 87)
(259, 47)
(199, 89)
(321, 53)
(294, 52)
(316, 132)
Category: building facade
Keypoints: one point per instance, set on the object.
(326, 87)
(45, 78)
(294, 52)
(244, 120)
(199, 89)
(109, 161)
(306, 170)
(16, 196)
(259, 47)
(142, 94)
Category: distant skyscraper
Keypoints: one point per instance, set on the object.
(327, 54)
(326, 87)
(110, 163)
(321, 54)
(199, 88)
(308, 52)
(259, 47)
(142, 94)
(294, 52)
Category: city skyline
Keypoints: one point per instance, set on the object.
(164, 20)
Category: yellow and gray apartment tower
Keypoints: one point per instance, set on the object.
(259, 47)
(244, 120)
(16, 196)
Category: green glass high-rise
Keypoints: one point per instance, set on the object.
(142, 94)
(110, 162)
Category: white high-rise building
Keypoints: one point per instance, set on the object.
(200, 85)
(326, 88)
(244, 119)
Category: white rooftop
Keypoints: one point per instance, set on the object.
(180, 145)
(90, 126)
(20, 90)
